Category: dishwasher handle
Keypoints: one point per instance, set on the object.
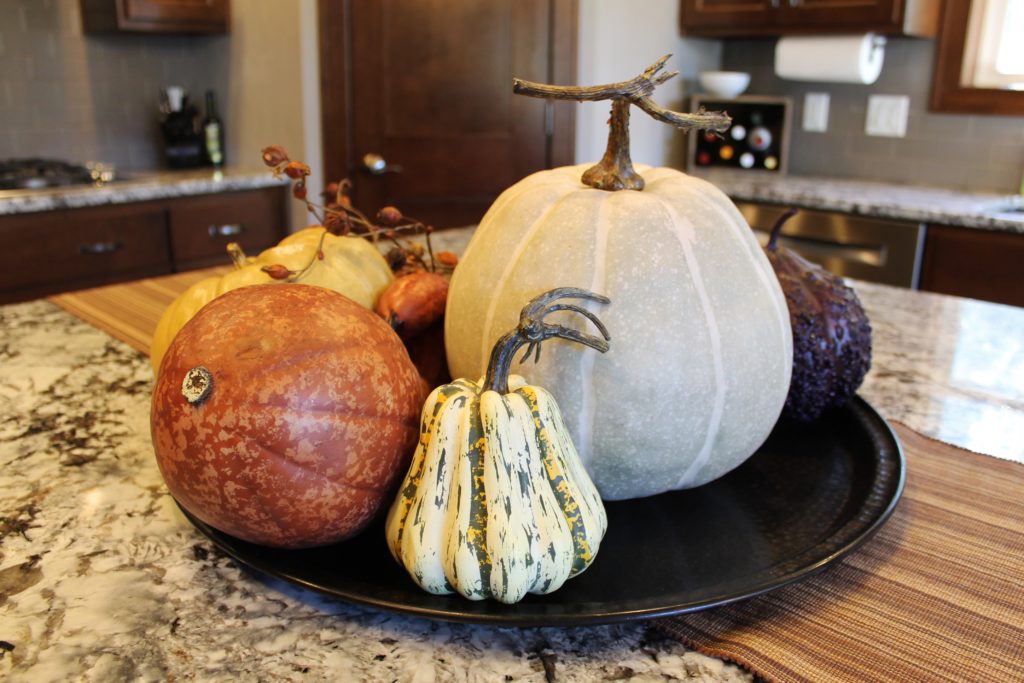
(868, 254)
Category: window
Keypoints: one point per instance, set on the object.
(994, 54)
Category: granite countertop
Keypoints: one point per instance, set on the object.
(874, 199)
(137, 188)
(878, 200)
(101, 577)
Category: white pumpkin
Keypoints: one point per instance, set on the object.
(702, 350)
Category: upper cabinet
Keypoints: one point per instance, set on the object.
(156, 16)
(738, 18)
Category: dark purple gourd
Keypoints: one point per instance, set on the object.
(831, 332)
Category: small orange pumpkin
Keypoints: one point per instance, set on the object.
(283, 415)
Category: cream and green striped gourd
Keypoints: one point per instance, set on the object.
(496, 503)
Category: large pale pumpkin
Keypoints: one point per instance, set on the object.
(702, 357)
(350, 266)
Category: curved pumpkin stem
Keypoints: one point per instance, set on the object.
(777, 229)
(615, 170)
(532, 331)
(238, 256)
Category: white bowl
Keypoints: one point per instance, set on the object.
(726, 84)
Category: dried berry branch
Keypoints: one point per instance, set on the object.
(339, 217)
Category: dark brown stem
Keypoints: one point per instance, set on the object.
(430, 249)
(533, 330)
(615, 171)
(773, 237)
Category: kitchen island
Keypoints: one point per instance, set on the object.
(873, 199)
(102, 578)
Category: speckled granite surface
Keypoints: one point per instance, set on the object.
(101, 578)
(878, 200)
(159, 185)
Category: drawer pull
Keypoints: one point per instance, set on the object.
(226, 230)
(100, 247)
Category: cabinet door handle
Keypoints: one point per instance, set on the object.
(100, 247)
(226, 230)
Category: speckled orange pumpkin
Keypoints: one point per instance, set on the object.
(283, 415)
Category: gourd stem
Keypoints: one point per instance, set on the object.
(615, 170)
(533, 330)
(238, 256)
(500, 364)
(773, 237)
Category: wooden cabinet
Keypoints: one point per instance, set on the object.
(202, 227)
(737, 18)
(156, 16)
(980, 264)
(44, 253)
(56, 251)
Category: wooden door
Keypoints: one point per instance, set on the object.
(426, 85)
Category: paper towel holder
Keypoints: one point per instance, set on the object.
(848, 58)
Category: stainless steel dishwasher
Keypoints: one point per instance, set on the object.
(872, 249)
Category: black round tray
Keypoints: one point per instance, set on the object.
(810, 495)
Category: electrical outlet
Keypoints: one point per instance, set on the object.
(816, 112)
(887, 115)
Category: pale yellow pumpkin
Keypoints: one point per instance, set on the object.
(702, 353)
(351, 266)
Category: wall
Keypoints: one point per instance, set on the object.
(273, 86)
(94, 98)
(618, 40)
(946, 150)
(64, 95)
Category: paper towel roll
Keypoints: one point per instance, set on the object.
(832, 59)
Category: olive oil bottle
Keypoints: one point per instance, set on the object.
(213, 134)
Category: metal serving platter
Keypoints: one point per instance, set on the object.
(809, 496)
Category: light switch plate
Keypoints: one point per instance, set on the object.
(816, 112)
(887, 115)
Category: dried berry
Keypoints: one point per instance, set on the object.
(389, 215)
(330, 193)
(296, 170)
(274, 155)
(299, 189)
(447, 258)
(337, 221)
(397, 257)
(278, 271)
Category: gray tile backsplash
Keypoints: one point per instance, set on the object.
(949, 150)
(94, 98)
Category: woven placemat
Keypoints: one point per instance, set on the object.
(130, 311)
(936, 595)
